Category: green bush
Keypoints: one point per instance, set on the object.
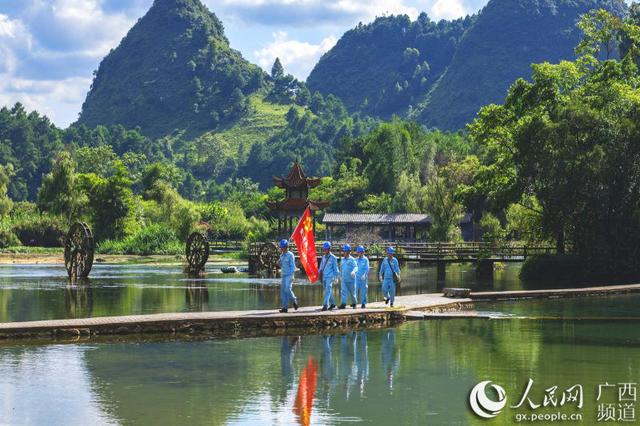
(40, 230)
(8, 238)
(492, 231)
(152, 239)
(553, 268)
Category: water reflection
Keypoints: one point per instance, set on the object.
(32, 292)
(78, 299)
(196, 297)
(390, 357)
(419, 373)
(306, 392)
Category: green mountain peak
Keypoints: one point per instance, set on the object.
(173, 70)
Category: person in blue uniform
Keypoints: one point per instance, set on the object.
(287, 269)
(362, 277)
(388, 266)
(349, 269)
(330, 272)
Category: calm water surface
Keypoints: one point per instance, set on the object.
(418, 373)
(32, 292)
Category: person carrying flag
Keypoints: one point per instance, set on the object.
(329, 272)
(349, 269)
(362, 277)
(287, 269)
(389, 274)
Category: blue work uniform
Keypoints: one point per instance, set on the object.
(362, 278)
(330, 273)
(387, 268)
(348, 284)
(287, 268)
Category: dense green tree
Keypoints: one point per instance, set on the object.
(60, 193)
(344, 191)
(28, 141)
(277, 70)
(438, 198)
(99, 159)
(392, 149)
(569, 138)
(6, 204)
(110, 203)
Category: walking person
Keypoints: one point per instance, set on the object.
(349, 269)
(329, 272)
(389, 275)
(287, 269)
(362, 277)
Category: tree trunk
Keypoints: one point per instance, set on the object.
(560, 248)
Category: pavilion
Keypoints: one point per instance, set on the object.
(390, 226)
(296, 185)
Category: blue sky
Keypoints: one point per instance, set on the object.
(50, 48)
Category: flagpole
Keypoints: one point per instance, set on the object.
(299, 222)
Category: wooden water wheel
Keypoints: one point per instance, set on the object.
(79, 249)
(268, 257)
(197, 252)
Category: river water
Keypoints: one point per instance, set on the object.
(416, 373)
(33, 292)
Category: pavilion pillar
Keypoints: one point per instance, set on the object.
(313, 218)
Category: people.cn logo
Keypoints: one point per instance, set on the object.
(484, 406)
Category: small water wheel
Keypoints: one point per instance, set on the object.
(197, 252)
(78, 250)
(268, 257)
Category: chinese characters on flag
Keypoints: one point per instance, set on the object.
(305, 241)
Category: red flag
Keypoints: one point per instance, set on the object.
(306, 243)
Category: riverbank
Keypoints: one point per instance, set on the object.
(56, 256)
(258, 322)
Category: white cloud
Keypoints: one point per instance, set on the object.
(369, 9)
(297, 57)
(447, 9)
(60, 100)
(300, 13)
(48, 50)
(77, 25)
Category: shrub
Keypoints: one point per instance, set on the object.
(8, 238)
(41, 231)
(553, 268)
(152, 239)
(492, 231)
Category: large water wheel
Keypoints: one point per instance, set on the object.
(268, 257)
(197, 252)
(79, 249)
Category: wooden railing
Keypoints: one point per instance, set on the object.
(225, 245)
(431, 251)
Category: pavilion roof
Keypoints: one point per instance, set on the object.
(376, 219)
(296, 178)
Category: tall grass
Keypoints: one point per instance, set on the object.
(152, 239)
